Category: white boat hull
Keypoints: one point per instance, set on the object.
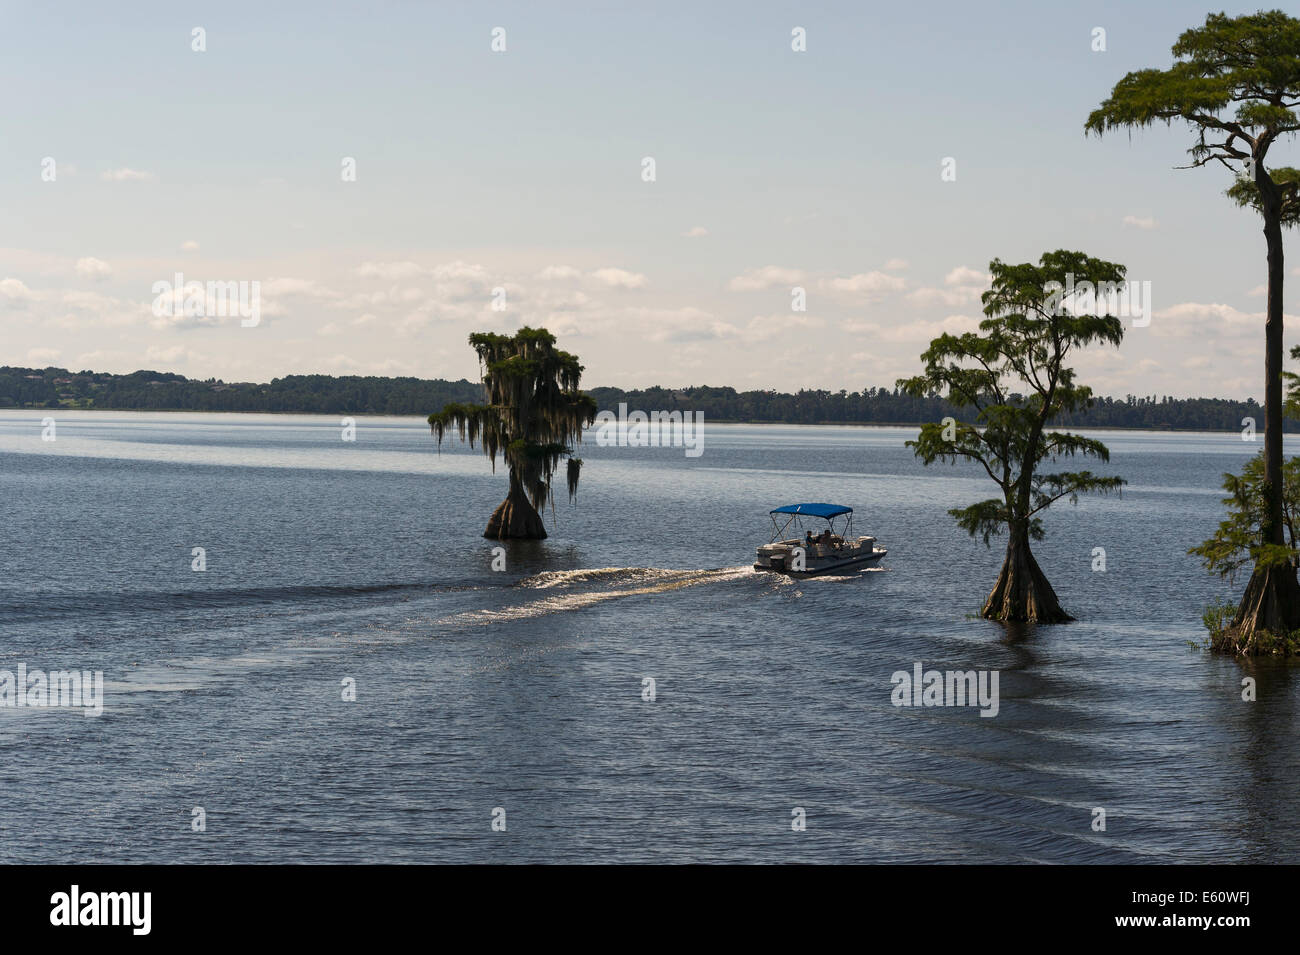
(782, 557)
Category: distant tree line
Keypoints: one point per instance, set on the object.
(162, 391)
(893, 406)
(353, 394)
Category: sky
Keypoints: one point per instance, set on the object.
(498, 188)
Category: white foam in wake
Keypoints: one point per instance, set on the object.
(626, 581)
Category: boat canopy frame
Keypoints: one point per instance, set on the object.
(795, 512)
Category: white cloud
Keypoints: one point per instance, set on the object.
(868, 284)
(189, 245)
(962, 287)
(449, 272)
(16, 291)
(766, 277)
(950, 297)
(562, 324)
(894, 265)
(963, 276)
(604, 277)
(452, 281)
(195, 294)
(560, 300)
(461, 271)
(619, 278)
(695, 232)
(924, 331)
(93, 268)
(1140, 222)
(556, 272)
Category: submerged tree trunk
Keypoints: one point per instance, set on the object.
(1267, 609)
(1023, 592)
(1271, 604)
(515, 517)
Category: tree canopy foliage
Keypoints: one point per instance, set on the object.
(1023, 344)
(1239, 542)
(534, 411)
(1235, 82)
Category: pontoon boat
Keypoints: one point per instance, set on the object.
(807, 554)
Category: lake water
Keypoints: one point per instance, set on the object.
(476, 689)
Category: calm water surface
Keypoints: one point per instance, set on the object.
(522, 689)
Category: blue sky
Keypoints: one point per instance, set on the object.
(522, 170)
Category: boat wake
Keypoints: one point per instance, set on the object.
(577, 589)
(625, 575)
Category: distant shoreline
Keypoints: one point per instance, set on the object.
(756, 424)
(58, 389)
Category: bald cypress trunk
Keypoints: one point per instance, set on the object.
(515, 517)
(1268, 607)
(1271, 604)
(1022, 592)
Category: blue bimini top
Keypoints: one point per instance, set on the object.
(813, 510)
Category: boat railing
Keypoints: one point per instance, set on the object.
(818, 548)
